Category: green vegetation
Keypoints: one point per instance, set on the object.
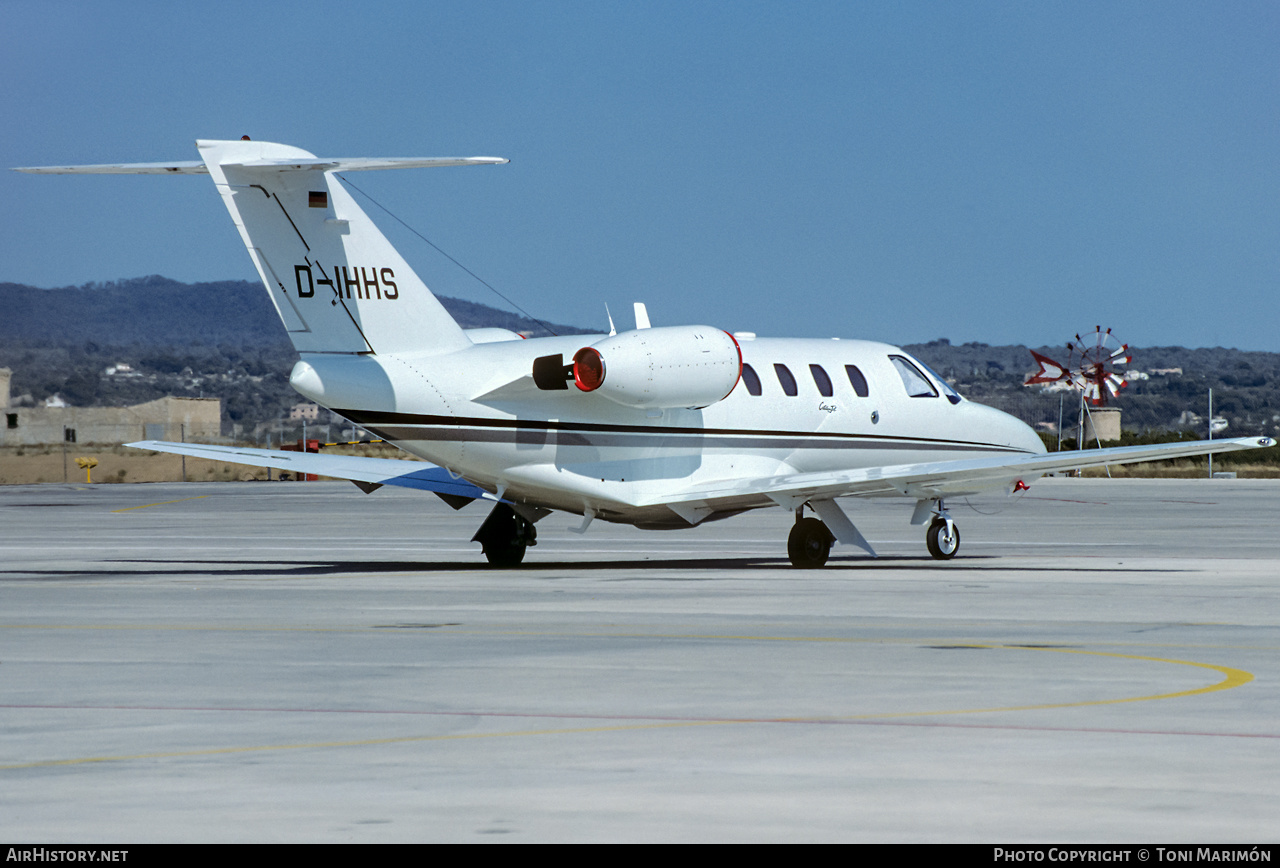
(224, 340)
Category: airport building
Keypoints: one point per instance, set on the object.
(164, 419)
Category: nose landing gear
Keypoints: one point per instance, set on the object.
(943, 539)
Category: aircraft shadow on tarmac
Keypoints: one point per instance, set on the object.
(274, 567)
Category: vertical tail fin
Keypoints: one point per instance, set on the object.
(336, 281)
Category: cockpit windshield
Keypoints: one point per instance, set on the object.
(917, 384)
(952, 395)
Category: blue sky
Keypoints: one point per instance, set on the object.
(998, 172)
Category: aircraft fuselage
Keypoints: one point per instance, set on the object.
(479, 413)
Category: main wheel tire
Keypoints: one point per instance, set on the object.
(940, 545)
(505, 535)
(503, 555)
(809, 544)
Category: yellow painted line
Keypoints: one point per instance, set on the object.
(1231, 678)
(364, 743)
(161, 503)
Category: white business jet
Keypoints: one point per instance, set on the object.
(658, 427)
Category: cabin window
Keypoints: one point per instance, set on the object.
(917, 385)
(822, 381)
(786, 379)
(751, 380)
(856, 380)
(11, 420)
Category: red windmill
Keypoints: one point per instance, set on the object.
(1092, 366)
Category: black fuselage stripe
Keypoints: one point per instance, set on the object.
(674, 442)
(763, 438)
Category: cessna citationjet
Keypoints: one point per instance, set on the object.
(658, 427)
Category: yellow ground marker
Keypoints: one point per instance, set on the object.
(161, 503)
(1231, 678)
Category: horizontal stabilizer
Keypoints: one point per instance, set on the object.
(365, 164)
(196, 167)
(371, 471)
(193, 167)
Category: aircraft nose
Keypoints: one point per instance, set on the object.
(1000, 427)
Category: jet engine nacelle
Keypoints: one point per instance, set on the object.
(676, 366)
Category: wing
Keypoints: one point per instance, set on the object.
(948, 478)
(368, 473)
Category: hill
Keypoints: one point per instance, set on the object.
(224, 339)
(130, 341)
(158, 311)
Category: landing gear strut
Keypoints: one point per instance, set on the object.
(809, 544)
(505, 535)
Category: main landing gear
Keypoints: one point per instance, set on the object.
(505, 535)
(809, 544)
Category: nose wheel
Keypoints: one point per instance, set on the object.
(943, 539)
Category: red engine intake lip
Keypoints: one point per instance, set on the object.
(588, 369)
(737, 346)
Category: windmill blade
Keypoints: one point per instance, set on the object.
(1050, 371)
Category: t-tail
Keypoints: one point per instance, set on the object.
(337, 283)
